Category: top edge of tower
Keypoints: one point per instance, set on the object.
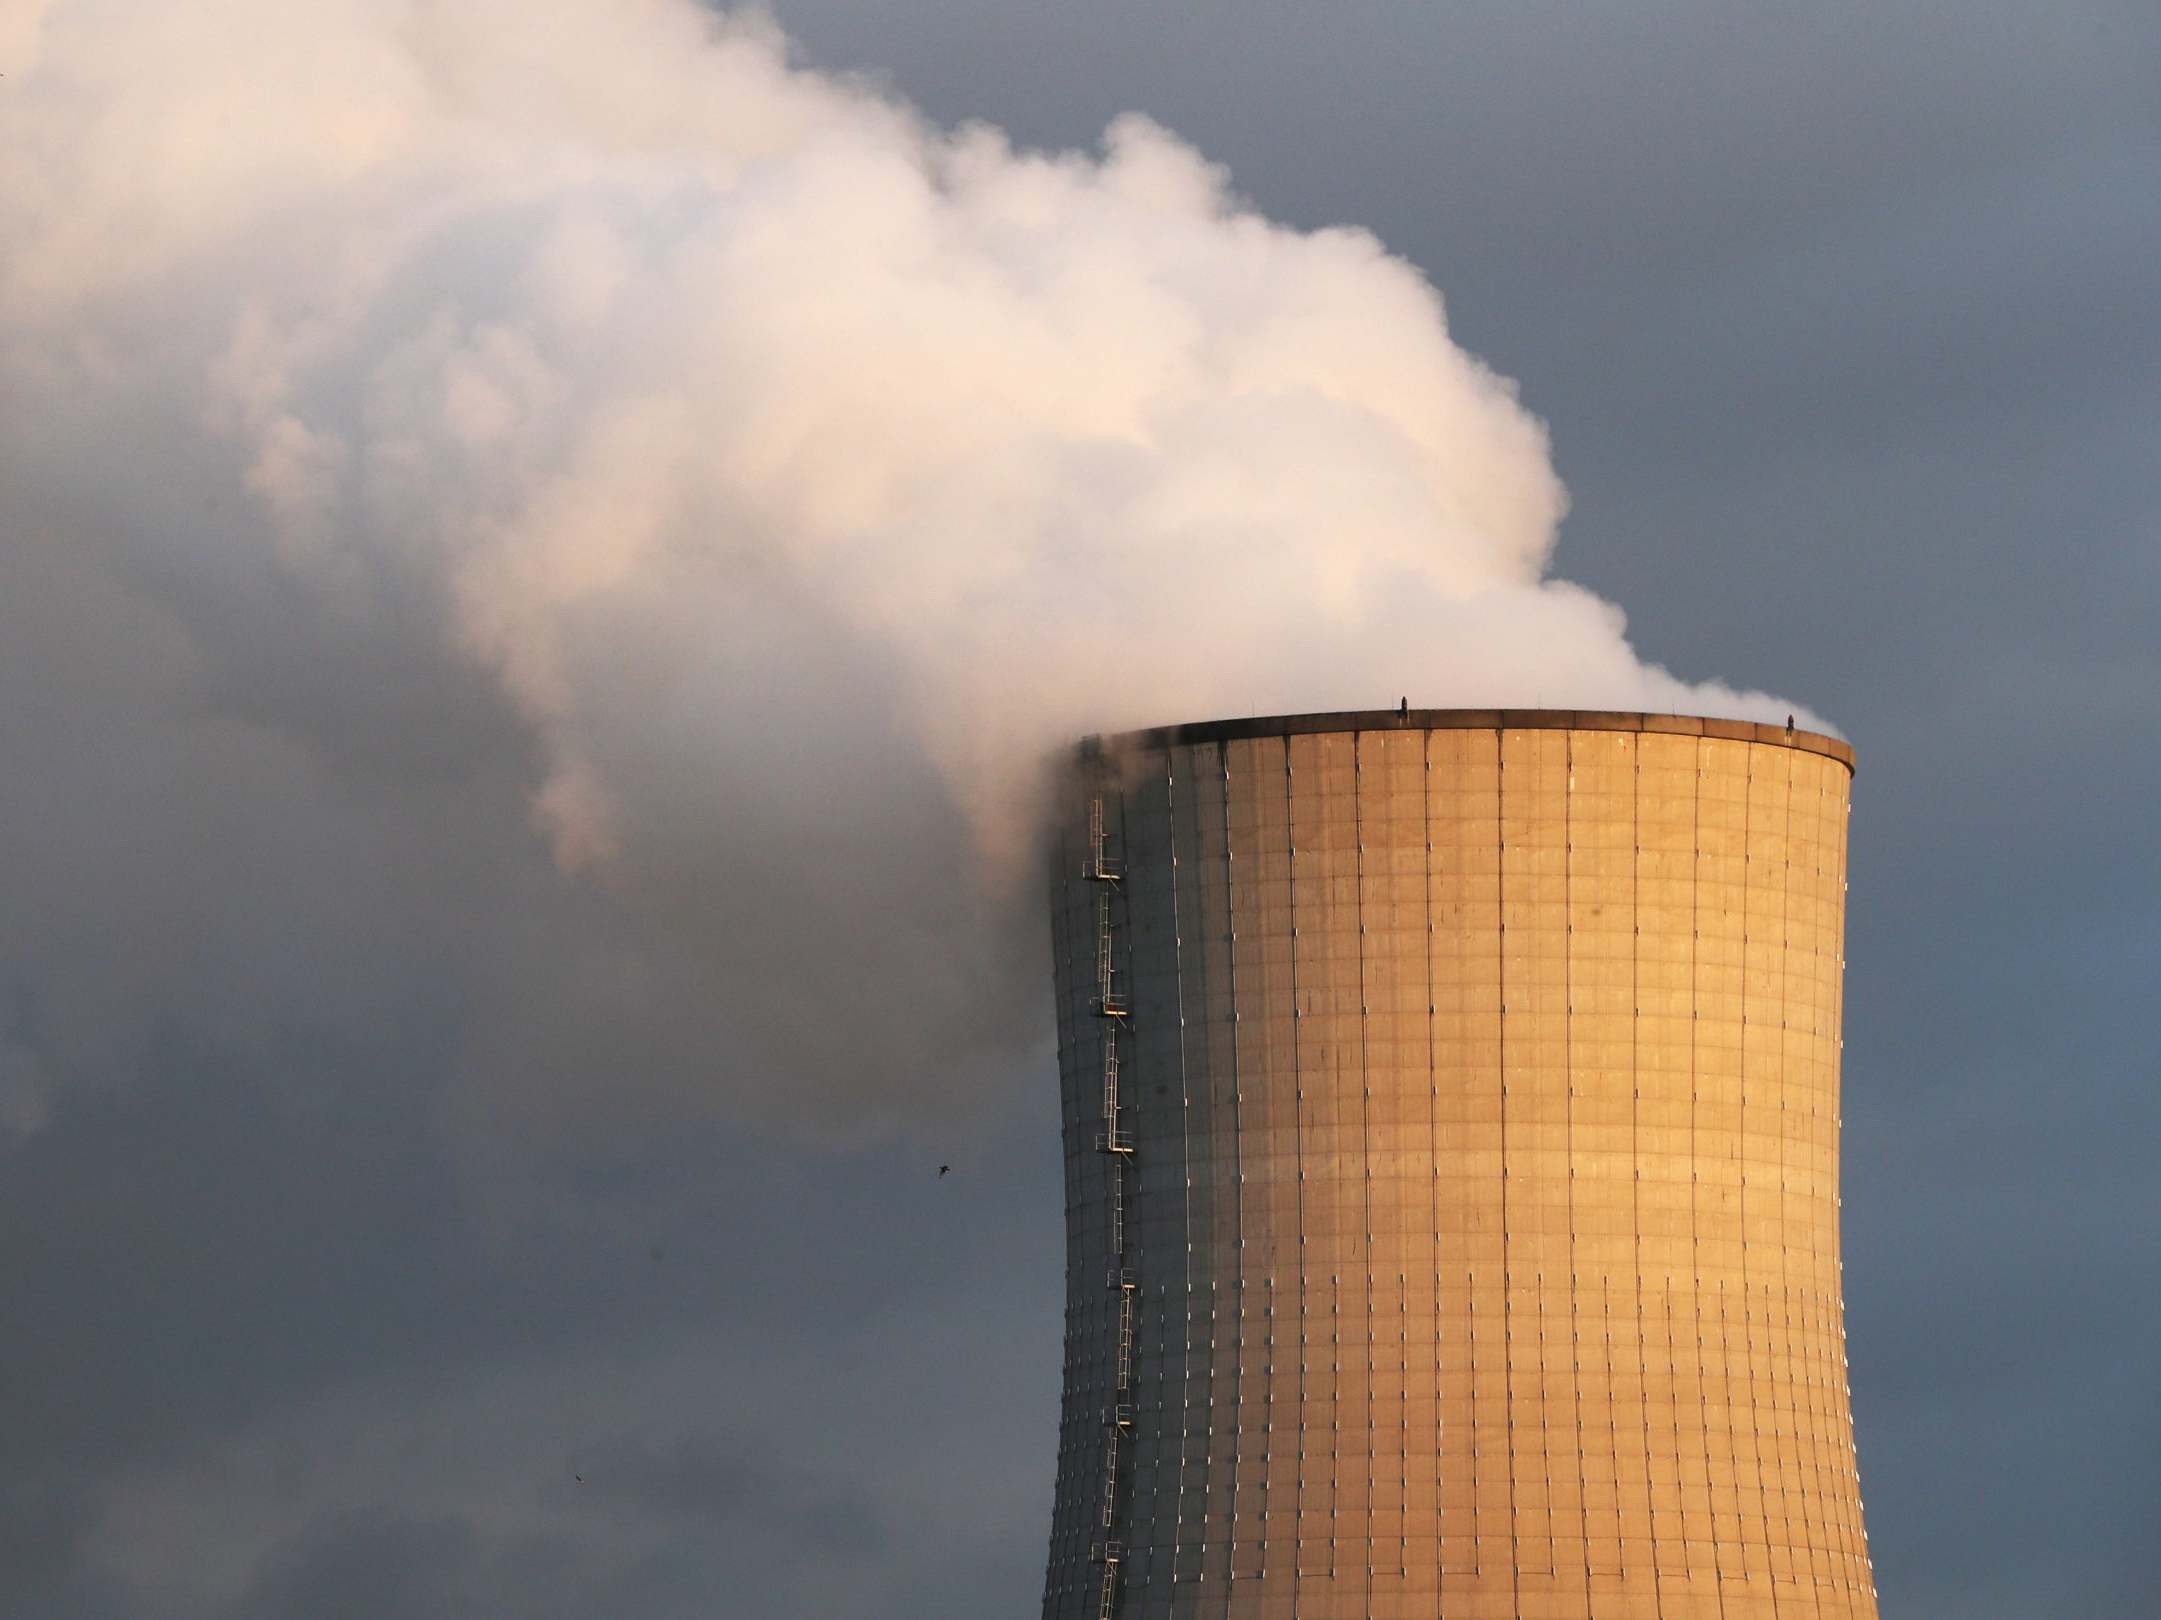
(1407, 719)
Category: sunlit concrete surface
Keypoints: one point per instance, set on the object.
(1451, 1133)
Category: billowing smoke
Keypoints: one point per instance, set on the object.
(798, 474)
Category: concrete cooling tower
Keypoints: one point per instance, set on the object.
(1451, 1165)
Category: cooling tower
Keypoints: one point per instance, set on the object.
(1451, 1165)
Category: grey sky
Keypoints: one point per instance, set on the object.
(347, 1224)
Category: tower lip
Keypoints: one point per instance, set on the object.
(1300, 725)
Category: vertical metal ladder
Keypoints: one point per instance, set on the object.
(1114, 1013)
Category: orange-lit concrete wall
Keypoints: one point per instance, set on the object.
(1484, 1091)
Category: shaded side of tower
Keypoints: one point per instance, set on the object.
(1451, 1156)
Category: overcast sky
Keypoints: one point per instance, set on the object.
(389, 1229)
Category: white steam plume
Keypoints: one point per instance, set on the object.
(803, 473)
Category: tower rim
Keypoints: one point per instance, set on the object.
(1153, 738)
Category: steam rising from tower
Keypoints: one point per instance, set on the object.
(797, 474)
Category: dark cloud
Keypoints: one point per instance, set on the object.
(741, 1492)
(363, 1180)
(660, 1523)
(375, 1564)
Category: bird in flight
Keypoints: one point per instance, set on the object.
(944, 1170)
